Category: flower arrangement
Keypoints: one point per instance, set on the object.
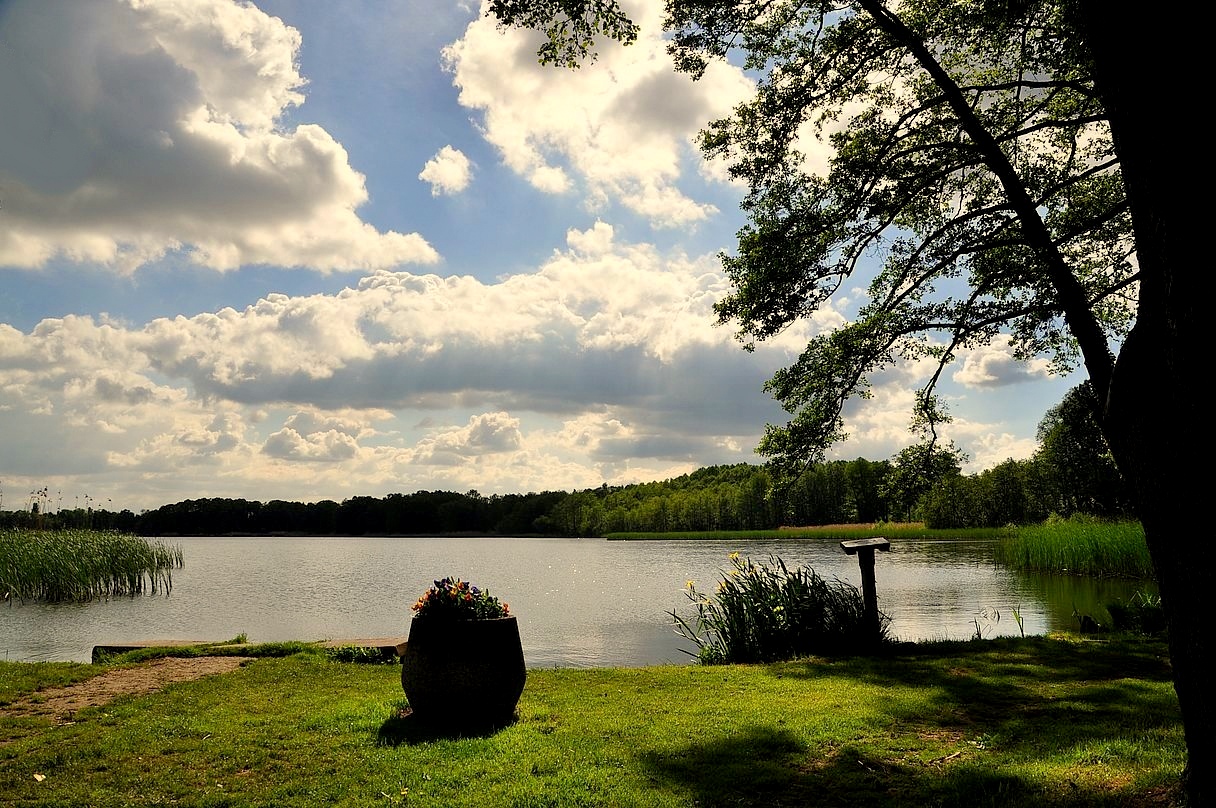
(454, 599)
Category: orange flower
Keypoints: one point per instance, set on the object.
(453, 598)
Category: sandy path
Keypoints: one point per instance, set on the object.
(61, 703)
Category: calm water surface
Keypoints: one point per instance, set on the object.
(580, 602)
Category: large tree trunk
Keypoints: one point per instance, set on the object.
(1155, 420)
(1150, 420)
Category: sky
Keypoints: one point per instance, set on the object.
(305, 251)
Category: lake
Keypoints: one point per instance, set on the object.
(579, 602)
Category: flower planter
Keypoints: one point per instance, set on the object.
(464, 672)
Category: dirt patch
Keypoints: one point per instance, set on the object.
(61, 703)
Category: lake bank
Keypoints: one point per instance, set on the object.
(1035, 722)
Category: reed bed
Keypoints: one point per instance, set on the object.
(862, 530)
(769, 612)
(1080, 546)
(80, 565)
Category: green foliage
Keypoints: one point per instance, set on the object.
(454, 599)
(915, 471)
(1010, 493)
(1142, 614)
(571, 27)
(359, 654)
(967, 148)
(768, 612)
(79, 565)
(1080, 472)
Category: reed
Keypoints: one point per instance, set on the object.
(1080, 546)
(769, 612)
(79, 565)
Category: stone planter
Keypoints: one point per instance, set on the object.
(467, 673)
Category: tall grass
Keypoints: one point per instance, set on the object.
(79, 565)
(1079, 546)
(768, 612)
(863, 530)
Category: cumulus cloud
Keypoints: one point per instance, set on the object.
(598, 322)
(990, 449)
(138, 127)
(331, 446)
(623, 130)
(602, 365)
(995, 366)
(486, 434)
(401, 372)
(312, 435)
(448, 172)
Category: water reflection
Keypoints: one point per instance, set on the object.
(580, 602)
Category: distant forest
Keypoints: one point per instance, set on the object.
(1070, 473)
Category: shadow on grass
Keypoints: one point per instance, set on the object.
(1035, 696)
(769, 767)
(407, 727)
(1001, 684)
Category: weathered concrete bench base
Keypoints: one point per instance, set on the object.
(388, 647)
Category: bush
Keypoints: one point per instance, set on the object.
(1141, 615)
(768, 612)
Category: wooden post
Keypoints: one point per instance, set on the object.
(864, 550)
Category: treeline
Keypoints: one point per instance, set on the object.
(421, 513)
(1070, 473)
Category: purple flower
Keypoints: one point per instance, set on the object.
(455, 599)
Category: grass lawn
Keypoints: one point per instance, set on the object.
(1005, 722)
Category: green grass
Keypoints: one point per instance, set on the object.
(889, 530)
(1008, 722)
(76, 565)
(1080, 546)
(228, 648)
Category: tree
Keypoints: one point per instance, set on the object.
(915, 471)
(865, 485)
(1076, 458)
(1008, 159)
(1005, 494)
(952, 503)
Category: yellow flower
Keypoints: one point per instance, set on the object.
(734, 556)
(689, 584)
